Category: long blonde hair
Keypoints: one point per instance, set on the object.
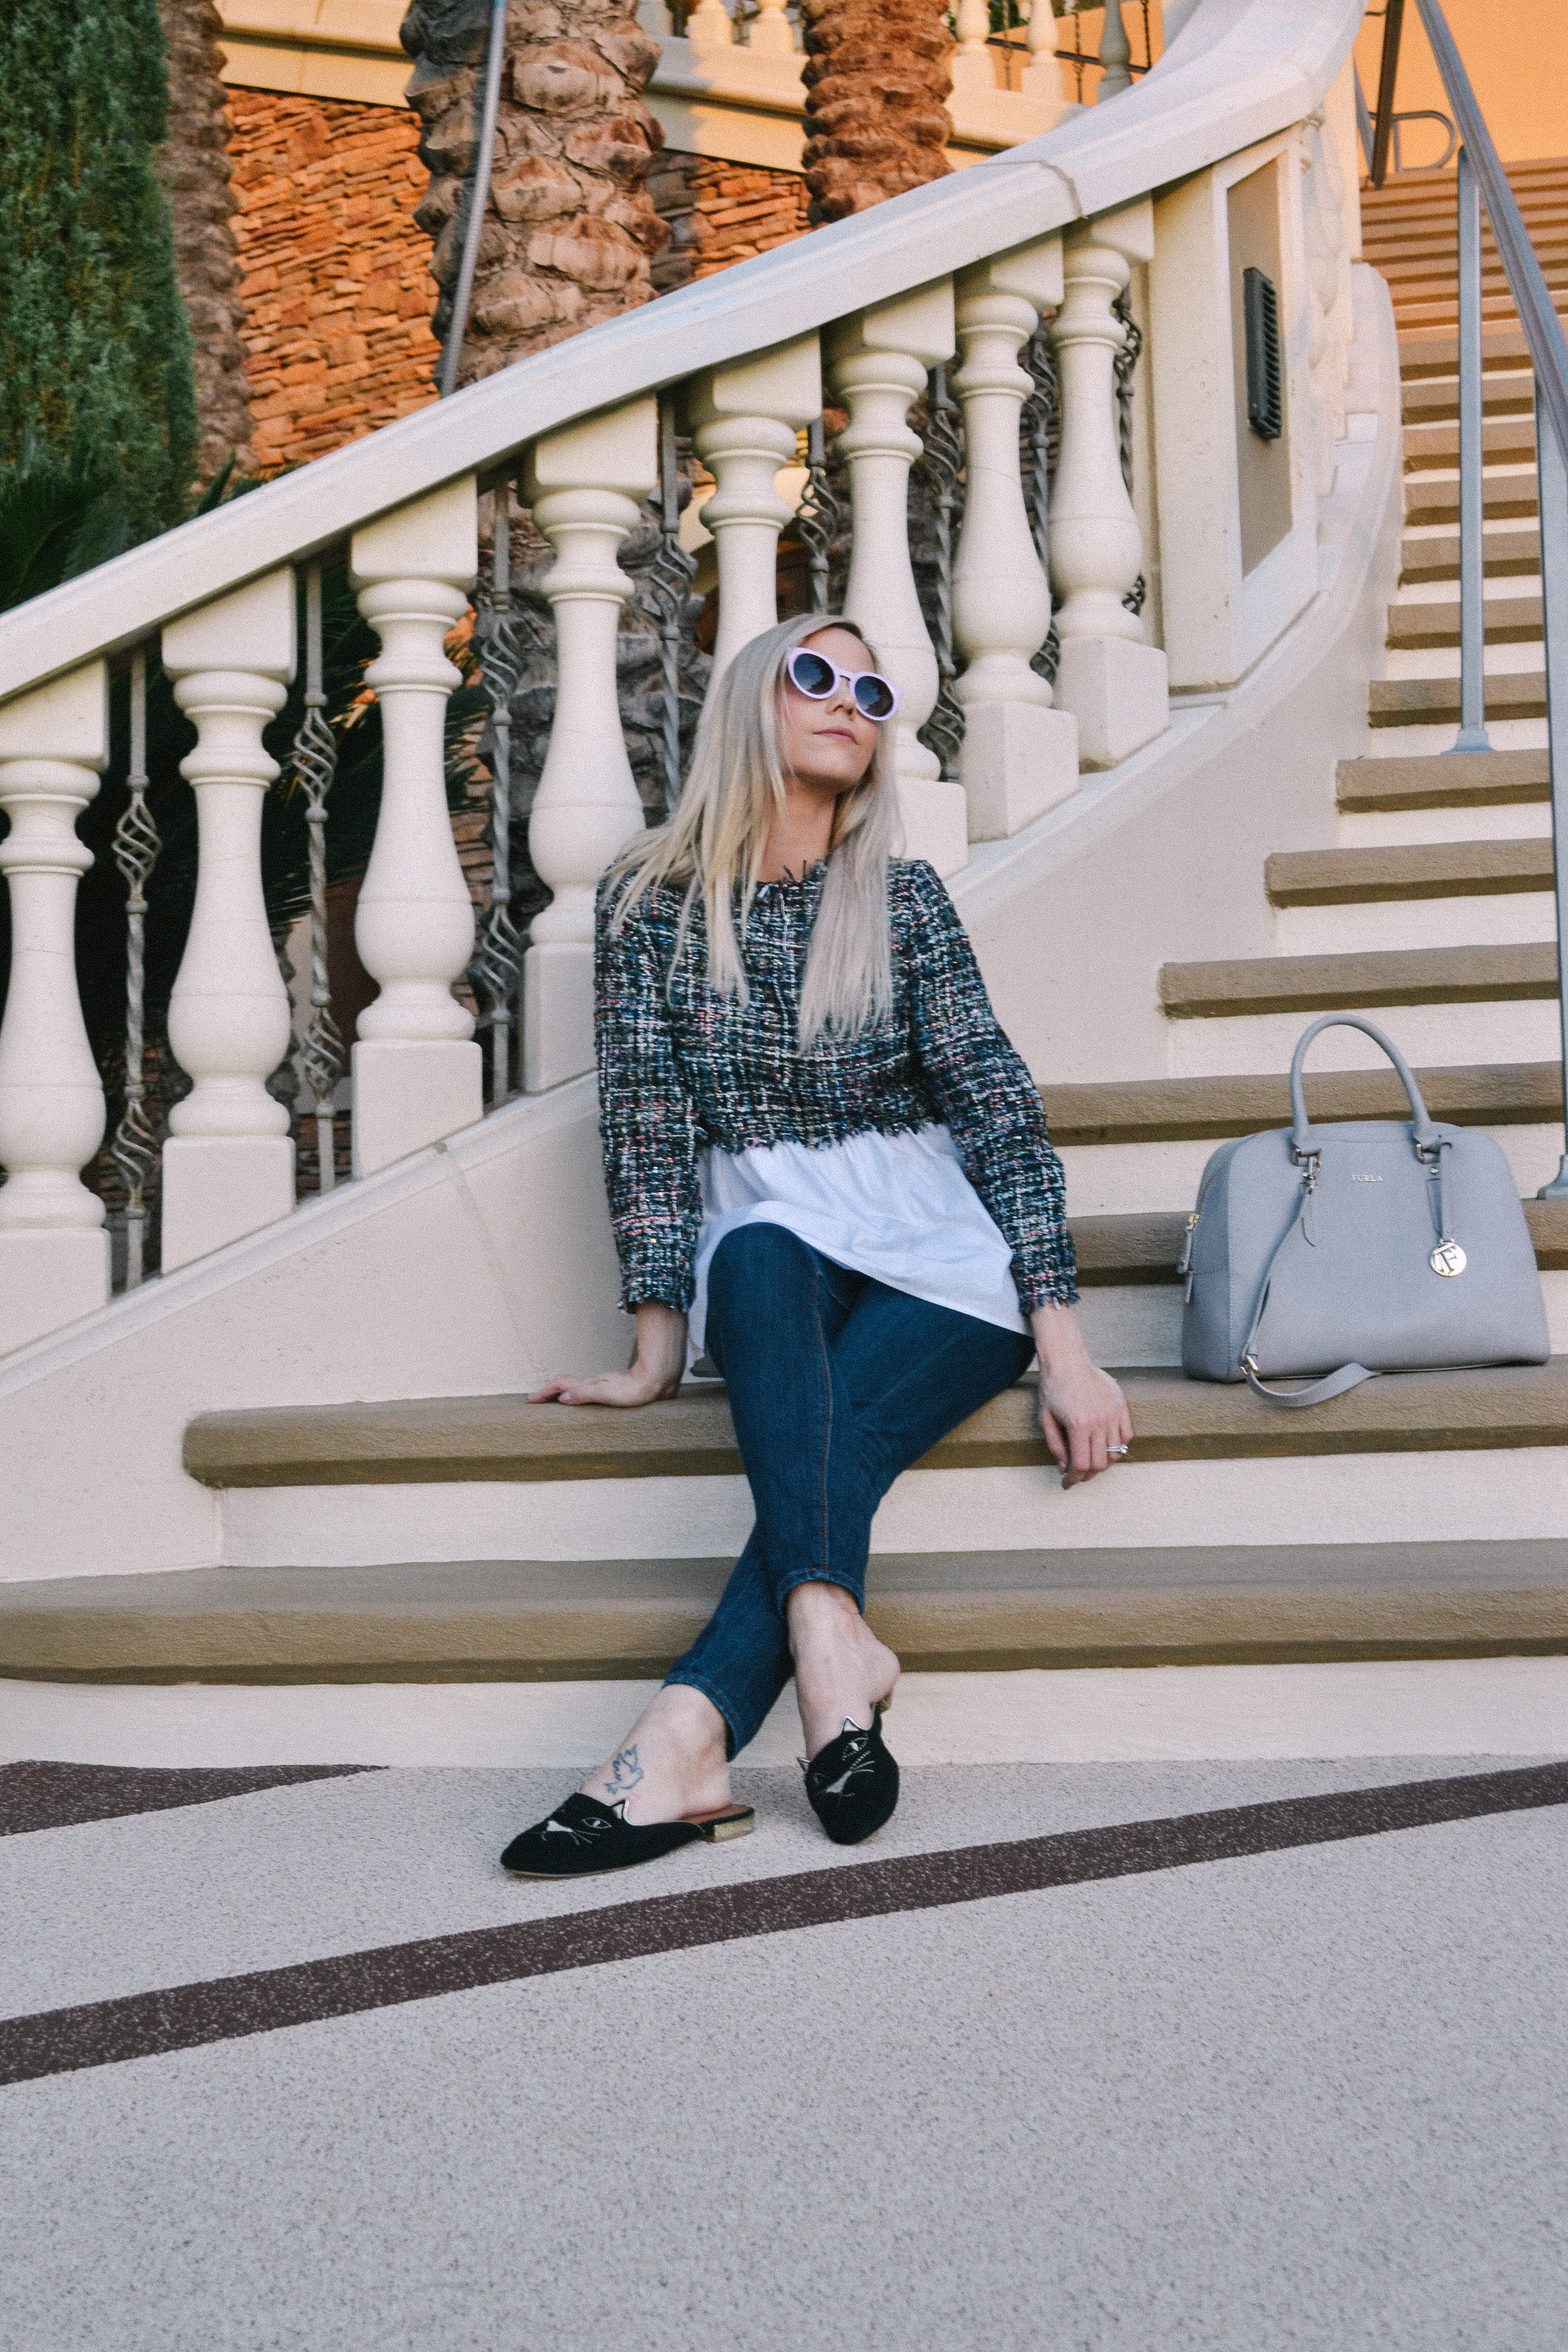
(715, 837)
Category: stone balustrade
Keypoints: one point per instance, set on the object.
(1058, 300)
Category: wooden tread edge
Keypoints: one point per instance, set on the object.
(536, 1621)
(442, 1440)
(1445, 780)
(1324, 984)
(1186, 1110)
(1427, 869)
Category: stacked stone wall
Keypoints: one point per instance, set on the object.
(720, 212)
(337, 295)
(337, 292)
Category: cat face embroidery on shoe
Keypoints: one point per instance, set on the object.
(586, 1832)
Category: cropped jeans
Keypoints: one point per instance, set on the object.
(836, 1384)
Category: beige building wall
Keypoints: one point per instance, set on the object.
(1516, 54)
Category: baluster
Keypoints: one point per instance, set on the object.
(494, 970)
(1020, 756)
(971, 65)
(745, 421)
(879, 364)
(771, 32)
(584, 485)
(1115, 52)
(417, 1076)
(54, 1250)
(1042, 77)
(666, 584)
(315, 757)
(819, 517)
(136, 847)
(710, 27)
(1115, 683)
(228, 1166)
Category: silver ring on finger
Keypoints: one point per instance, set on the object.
(1116, 1452)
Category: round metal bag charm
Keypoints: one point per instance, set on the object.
(1448, 1258)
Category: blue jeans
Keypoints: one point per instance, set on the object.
(836, 1384)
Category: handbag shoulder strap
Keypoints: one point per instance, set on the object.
(1332, 1384)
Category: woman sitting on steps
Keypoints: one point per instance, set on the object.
(828, 1169)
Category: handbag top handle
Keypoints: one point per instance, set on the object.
(1301, 1132)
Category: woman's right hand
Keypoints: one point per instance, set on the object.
(655, 1370)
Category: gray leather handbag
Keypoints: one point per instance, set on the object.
(1365, 1247)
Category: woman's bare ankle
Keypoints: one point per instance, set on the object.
(841, 1670)
(671, 1762)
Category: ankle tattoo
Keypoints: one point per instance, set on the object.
(624, 1774)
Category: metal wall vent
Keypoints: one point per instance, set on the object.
(1265, 379)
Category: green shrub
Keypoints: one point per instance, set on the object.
(95, 344)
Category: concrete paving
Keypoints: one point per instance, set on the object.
(1313, 2097)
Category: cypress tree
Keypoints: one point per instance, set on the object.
(95, 345)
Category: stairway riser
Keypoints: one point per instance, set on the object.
(1393, 828)
(1321, 1498)
(1499, 918)
(1426, 741)
(1118, 1178)
(1428, 1035)
(1523, 659)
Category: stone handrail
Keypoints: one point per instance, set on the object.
(961, 272)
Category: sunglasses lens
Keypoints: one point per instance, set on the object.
(814, 675)
(874, 695)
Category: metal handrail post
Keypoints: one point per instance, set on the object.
(1553, 477)
(479, 197)
(1388, 73)
(1472, 734)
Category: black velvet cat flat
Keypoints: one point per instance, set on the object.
(582, 1837)
(853, 1782)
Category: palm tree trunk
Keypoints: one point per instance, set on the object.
(876, 80)
(570, 229)
(194, 169)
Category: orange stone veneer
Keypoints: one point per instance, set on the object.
(337, 289)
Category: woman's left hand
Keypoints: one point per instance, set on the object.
(1084, 1416)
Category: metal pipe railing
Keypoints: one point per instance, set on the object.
(1472, 735)
(1483, 180)
(1388, 73)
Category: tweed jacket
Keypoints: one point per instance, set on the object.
(681, 1069)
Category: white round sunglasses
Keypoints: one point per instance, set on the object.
(875, 697)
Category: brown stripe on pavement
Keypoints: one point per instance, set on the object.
(47, 1796)
(187, 2017)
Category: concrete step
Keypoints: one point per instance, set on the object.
(1506, 496)
(529, 1620)
(1477, 780)
(1504, 439)
(1506, 392)
(1508, 550)
(1438, 894)
(1435, 701)
(494, 1479)
(1460, 869)
(1440, 313)
(1327, 983)
(1428, 352)
(1511, 620)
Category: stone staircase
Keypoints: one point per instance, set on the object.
(484, 1538)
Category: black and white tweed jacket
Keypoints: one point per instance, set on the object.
(681, 1069)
